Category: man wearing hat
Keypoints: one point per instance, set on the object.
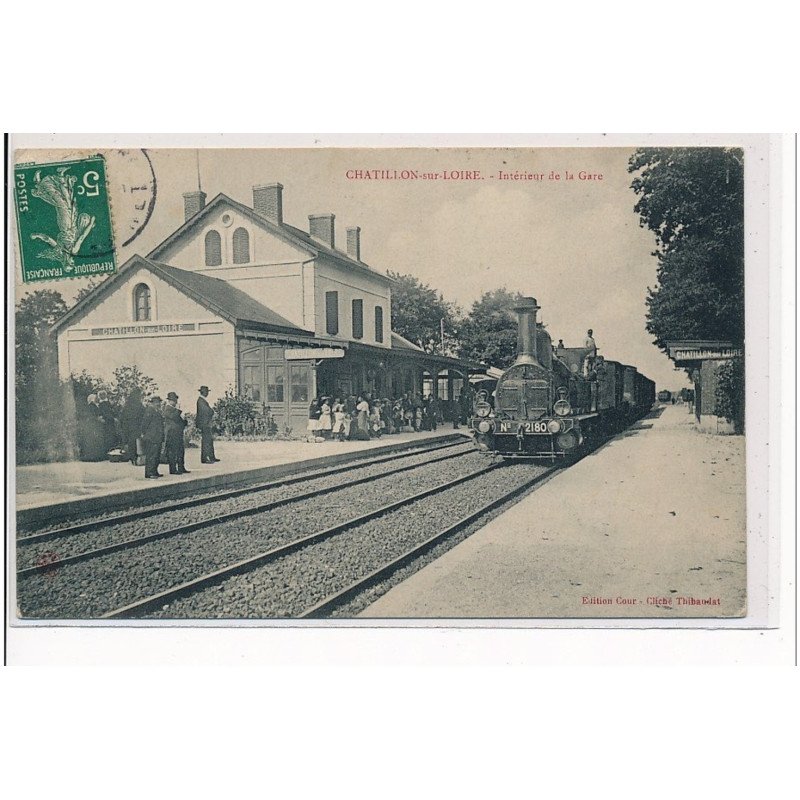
(203, 421)
(153, 436)
(174, 423)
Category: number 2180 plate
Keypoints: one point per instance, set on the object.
(509, 426)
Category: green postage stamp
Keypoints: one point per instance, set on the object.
(64, 220)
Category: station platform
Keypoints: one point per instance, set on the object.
(47, 491)
(651, 525)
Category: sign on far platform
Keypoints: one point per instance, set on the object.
(703, 353)
(307, 353)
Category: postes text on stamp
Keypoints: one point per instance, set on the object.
(63, 220)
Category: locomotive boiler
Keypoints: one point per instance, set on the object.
(554, 403)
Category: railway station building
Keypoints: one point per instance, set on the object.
(704, 358)
(237, 299)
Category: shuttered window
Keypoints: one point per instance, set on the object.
(213, 249)
(332, 313)
(358, 319)
(241, 246)
(378, 324)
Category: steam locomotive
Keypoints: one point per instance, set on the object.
(556, 403)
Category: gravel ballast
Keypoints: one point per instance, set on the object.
(431, 449)
(62, 547)
(293, 583)
(89, 589)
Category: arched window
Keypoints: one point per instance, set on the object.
(213, 249)
(241, 246)
(141, 302)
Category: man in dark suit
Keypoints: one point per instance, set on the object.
(131, 421)
(464, 406)
(203, 422)
(174, 423)
(153, 436)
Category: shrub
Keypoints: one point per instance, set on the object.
(233, 415)
(190, 431)
(50, 413)
(239, 419)
(729, 395)
(126, 379)
(85, 384)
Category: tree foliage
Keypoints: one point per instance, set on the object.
(88, 289)
(35, 347)
(45, 429)
(417, 312)
(693, 201)
(489, 331)
(48, 409)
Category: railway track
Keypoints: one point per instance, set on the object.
(131, 515)
(276, 554)
(36, 563)
(90, 585)
(242, 567)
(337, 599)
(342, 543)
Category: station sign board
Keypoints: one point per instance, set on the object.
(309, 353)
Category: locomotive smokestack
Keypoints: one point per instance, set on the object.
(526, 310)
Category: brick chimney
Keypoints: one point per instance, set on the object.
(354, 243)
(193, 202)
(320, 226)
(268, 201)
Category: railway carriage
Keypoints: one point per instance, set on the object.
(554, 403)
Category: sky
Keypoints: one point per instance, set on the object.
(574, 244)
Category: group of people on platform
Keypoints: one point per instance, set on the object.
(97, 428)
(144, 429)
(362, 417)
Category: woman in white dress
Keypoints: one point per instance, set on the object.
(375, 421)
(338, 429)
(325, 418)
(362, 419)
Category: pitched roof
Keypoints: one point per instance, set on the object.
(217, 295)
(421, 356)
(401, 343)
(286, 232)
(223, 297)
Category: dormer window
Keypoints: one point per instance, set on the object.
(213, 249)
(141, 303)
(241, 246)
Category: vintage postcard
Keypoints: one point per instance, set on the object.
(389, 385)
